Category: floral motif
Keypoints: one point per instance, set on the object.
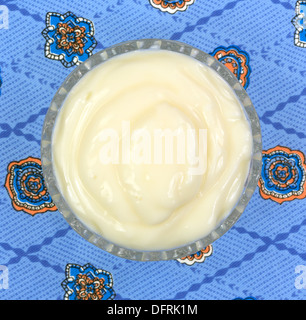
(26, 187)
(299, 22)
(87, 283)
(68, 38)
(236, 60)
(283, 175)
(171, 6)
(197, 257)
(71, 38)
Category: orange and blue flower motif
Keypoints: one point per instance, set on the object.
(26, 187)
(283, 175)
(69, 39)
(171, 6)
(87, 283)
(236, 60)
(197, 257)
(299, 22)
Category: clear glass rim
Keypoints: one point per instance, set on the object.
(46, 149)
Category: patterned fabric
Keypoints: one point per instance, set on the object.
(263, 255)
(171, 6)
(26, 187)
(283, 176)
(299, 21)
(68, 38)
(0, 82)
(197, 257)
(235, 60)
(87, 283)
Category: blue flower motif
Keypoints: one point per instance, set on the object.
(87, 283)
(283, 176)
(299, 22)
(69, 39)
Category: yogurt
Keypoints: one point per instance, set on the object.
(151, 149)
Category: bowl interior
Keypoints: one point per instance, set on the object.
(46, 149)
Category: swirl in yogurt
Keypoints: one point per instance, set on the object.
(145, 205)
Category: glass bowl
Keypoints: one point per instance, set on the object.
(47, 163)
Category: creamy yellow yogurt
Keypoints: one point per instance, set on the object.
(112, 169)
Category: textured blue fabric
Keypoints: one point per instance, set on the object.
(259, 255)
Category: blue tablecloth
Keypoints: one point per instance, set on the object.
(262, 257)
